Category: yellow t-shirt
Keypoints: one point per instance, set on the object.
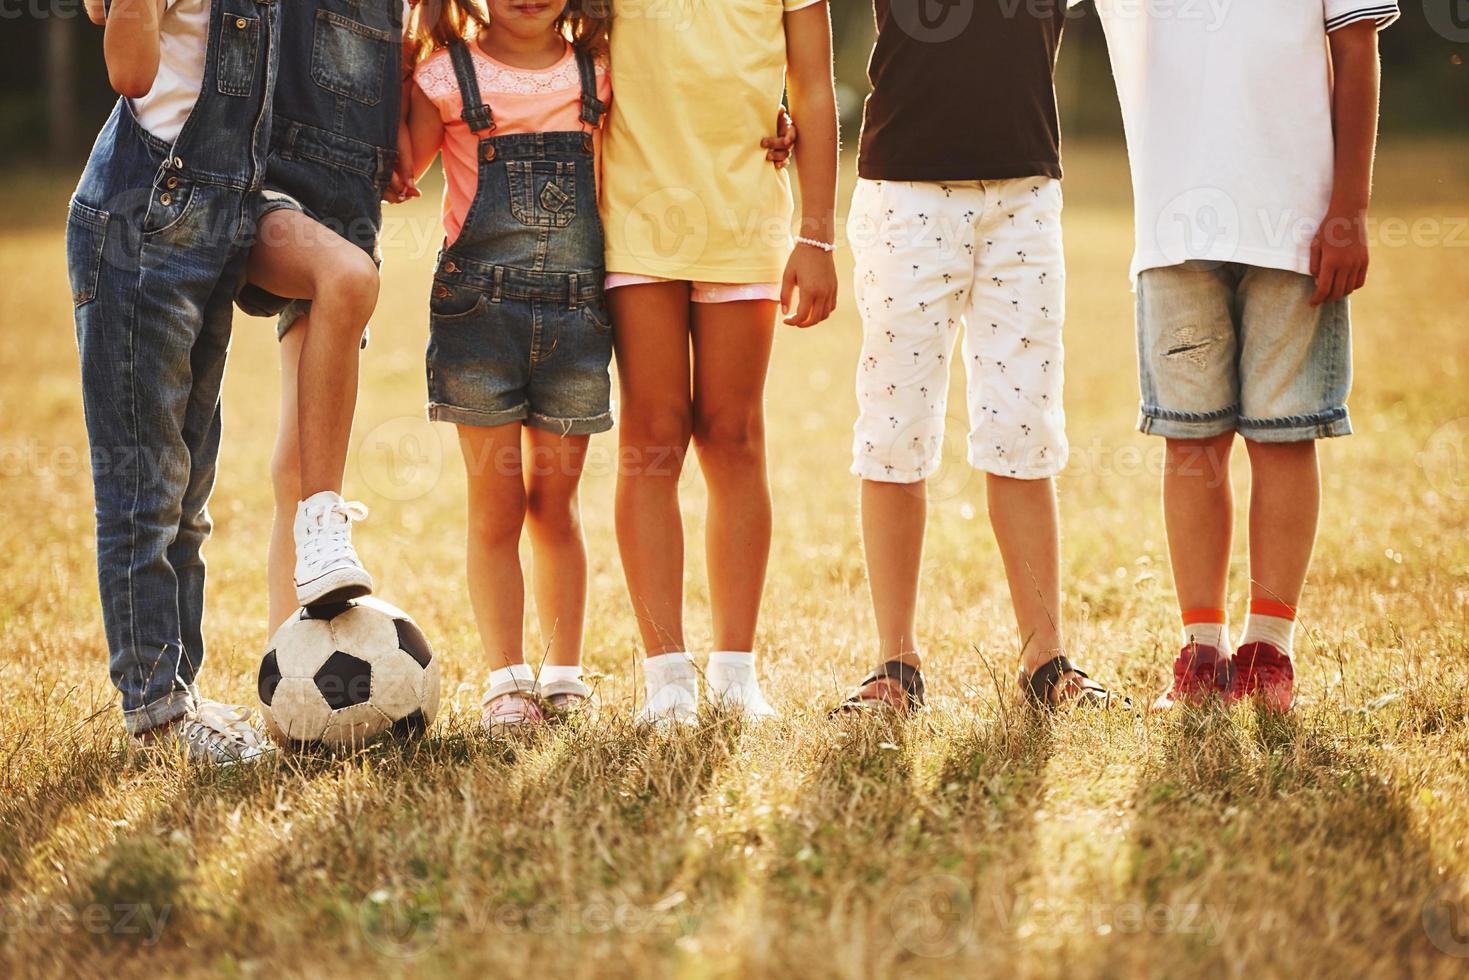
(686, 190)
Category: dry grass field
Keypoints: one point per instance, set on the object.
(974, 840)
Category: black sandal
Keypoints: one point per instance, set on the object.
(909, 678)
(1039, 686)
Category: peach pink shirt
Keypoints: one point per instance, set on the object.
(547, 100)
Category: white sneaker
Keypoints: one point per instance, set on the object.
(734, 685)
(327, 567)
(210, 732)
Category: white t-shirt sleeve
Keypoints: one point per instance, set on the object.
(1340, 13)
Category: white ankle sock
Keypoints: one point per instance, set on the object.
(516, 677)
(1277, 631)
(663, 669)
(1214, 635)
(734, 683)
(550, 673)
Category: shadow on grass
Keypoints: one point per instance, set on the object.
(1269, 844)
(897, 864)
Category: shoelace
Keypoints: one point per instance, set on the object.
(221, 728)
(333, 537)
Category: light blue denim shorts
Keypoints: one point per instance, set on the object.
(1223, 346)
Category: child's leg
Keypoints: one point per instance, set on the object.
(1027, 530)
(299, 258)
(651, 338)
(496, 515)
(732, 344)
(1285, 503)
(1198, 509)
(553, 516)
(894, 516)
(285, 470)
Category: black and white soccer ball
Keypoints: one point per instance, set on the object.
(345, 673)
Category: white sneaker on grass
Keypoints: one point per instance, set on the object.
(211, 733)
(734, 685)
(327, 566)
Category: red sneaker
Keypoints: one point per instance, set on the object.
(1198, 673)
(1261, 670)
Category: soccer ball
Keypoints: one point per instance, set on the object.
(344, 673)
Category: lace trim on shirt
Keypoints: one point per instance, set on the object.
(436, 77)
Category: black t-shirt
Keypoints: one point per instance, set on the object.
(963, 90)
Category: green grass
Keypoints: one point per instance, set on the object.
(975, 840)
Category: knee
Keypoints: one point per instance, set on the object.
(1206, 457)
(496, 522)
(353, 284)
(737, 436)
(655, 439)
(553, 513)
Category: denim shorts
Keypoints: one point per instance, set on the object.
(523, 357)
(346, 202)
(1227, 347)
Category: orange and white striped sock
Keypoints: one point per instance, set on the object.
(1271, 622)
(1207, 628)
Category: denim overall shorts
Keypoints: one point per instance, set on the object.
(518, 320)
(156, 242)
(335, 138)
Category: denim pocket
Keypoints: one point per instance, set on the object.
(349, 58)
(542, 192)
(455, 303)
(595, 313)
(239, 42)
(86, 237)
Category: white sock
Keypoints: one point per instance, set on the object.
(1214, 635)
(734, 683)
(516, 677)
(676, 667)
(551, 673)
(1277, 631)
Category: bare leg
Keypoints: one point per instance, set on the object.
(553, 469)
(732, 343)
(894, 516)
(651, 337)
(1027, 529)
(496, 515)
(1285, 501)
(298, 258)
(1198, 508)
(285, 468)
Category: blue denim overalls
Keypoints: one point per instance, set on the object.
(335, 137)
(518, 325)
(157, 237)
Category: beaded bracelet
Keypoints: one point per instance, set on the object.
(814, 243)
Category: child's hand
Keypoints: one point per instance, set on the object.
(1338, 257)
(402, 186)
(778, 147)
(811, 272)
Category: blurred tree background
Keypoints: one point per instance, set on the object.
(54, 93)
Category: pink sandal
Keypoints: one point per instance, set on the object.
(510, 706)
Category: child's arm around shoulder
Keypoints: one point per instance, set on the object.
(811, 271)
(130, 45)
(1339, 250)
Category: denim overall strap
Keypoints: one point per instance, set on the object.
(592, 108)
(476, 111)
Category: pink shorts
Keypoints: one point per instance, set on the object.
(704, 292)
